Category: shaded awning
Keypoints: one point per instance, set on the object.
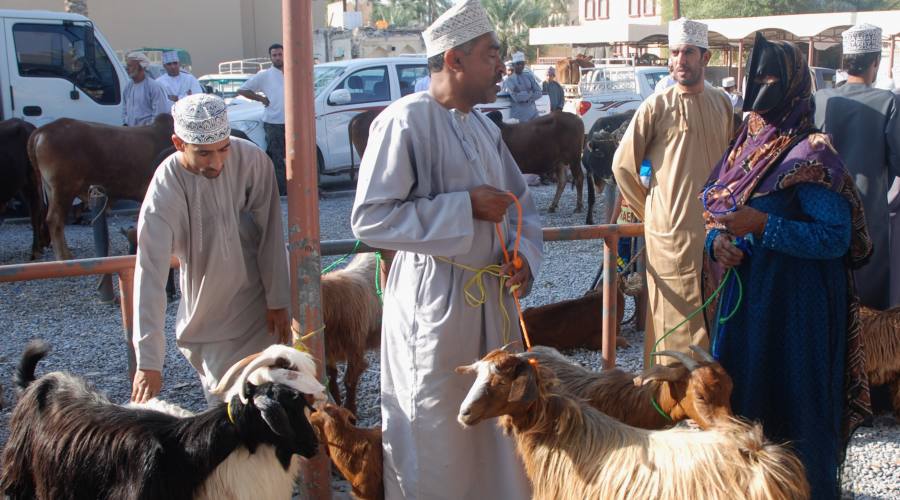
(597, 33)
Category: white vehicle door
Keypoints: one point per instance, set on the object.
(370, 88)
(60, 70)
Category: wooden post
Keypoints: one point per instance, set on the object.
(610, 300)
(303, 209)
(811, 55)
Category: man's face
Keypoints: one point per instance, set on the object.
(519, 68)
(173, 68)
(509, 70)
(134, 69)
(277, 57)
(482, 69)
(207, 160)
(688, 64)
(551, 76)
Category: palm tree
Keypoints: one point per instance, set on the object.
(76, 7)
(409, 13)
(513, 18)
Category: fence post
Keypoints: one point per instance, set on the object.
(126, 301)
(610, 300)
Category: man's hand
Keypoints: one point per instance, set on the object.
(173, 98)
(518, 277)
(726, 252)
(146, 385)
(264, 100)
(278, 322)
(743, 221)
(489, 203)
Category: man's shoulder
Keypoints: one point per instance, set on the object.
(414, 107)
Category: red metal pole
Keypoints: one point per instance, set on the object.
(676, 9)
(610, 300)
(303, 207)
(740, 66)
(811, 54)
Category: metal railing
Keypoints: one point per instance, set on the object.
(123, 267)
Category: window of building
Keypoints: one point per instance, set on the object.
(602, 9)
(70, 52)
(649, 9)
(634, 8)
(589, 10)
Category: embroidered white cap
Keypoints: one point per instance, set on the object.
(170, 56)
(728, 81)
(688, 32)
(862, 39)
(464, 21)
(201, 119)
(518, 57)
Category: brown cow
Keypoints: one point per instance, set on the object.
(72, 155)
(549, 143)
(17, 174)
(568, 70)
(358, 129)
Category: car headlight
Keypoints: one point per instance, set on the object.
(245, 126)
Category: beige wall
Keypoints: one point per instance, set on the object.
(211, 30)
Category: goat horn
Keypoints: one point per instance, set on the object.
(702, 353)
(232, 374)
(504, 348)
(686, 360)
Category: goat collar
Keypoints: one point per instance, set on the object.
(228, 412)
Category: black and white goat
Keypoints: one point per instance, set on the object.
(69, 442)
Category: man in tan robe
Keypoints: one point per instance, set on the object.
(682, 131)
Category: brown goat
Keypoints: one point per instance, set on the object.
(699, 390)
(571, 450)
(573, 323)
(548, 143)
(351, 311)
(355, 452)
(881, 337)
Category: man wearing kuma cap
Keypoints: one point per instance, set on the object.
(213, 204)
(865, 125)
(435, 179)
(681, 132)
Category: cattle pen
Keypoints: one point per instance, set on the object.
(123, 267)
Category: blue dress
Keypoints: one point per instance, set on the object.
(785, 345)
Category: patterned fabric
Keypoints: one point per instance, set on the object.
(170, 56)
(786, 346)
(687, 32)
(862, 39)
(201, 119)
(771, 158)
(464, 21)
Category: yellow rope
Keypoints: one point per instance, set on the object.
(299, 345)
(477, 282)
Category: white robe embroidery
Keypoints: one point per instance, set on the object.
(412, 197)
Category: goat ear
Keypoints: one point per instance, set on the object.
(275, 417)
(466, 369)
(664, 374)
(524, 385)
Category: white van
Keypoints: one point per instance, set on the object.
(57, 65)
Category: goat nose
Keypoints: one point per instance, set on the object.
(465, 412)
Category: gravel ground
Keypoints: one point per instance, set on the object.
(87, 338)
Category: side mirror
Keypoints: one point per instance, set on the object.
(339, 97)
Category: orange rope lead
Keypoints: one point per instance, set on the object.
(517, 264)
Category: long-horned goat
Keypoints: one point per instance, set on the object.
(881, 335)
(699, 390)
(573, 451)
(356, 452)
(351, 311)
(69, 442)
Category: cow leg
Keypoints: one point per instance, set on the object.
(598, 185)
(589, 219)
(356, 365)
(894, 389)
(56, 220)
(578, 183)
(560, 186)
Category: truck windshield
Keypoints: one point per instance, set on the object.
(323, 76)
(70, 52)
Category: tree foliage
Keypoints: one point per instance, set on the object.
(711, 9)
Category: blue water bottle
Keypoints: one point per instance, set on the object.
(645, 173)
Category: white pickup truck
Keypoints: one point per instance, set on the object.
(55, 65)
(613, 89)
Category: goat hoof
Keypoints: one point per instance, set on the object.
(551, 210)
